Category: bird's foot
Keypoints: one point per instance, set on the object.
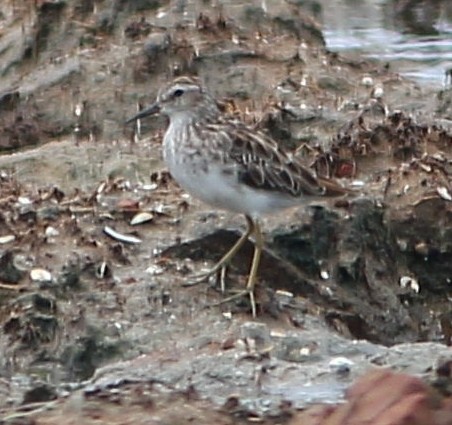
(249, 292)
(218, 272)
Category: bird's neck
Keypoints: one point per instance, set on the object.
(183, 127)
(195, 117)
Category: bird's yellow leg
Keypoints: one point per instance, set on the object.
(251, 283)
(224, 261)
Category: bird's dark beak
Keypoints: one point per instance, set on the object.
(150, 110)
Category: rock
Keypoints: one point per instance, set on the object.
(155, 50)
(155, 45)
(258, 333)
(9, 270)
(9, 100)
(383, 397)
(40, 392)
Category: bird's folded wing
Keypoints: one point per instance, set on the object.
(264, 165)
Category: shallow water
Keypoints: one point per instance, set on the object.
(417, 46)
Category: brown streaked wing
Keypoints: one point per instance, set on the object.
(266, 166)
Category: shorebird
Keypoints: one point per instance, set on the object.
(230, 165)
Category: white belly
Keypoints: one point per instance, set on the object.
(216, 183)
(213, 186)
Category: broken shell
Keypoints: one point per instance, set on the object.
(24, 200)
(402, 244)
(103, 270)
(377, 92)
(421, 248)
(444, 193)
(357, 183)
(7, 239)
(227, 315)
(426, 167)
(51, 232)
(149, 187)
(282, 293)
(305, 351)
(154, 270)
(415, 286)
(40, 275)
(121, 237)
(439, 156)
(161, 209)
(284, 297)
(367, 81)
(324, 274)
(106, 216)
(101, 188)
(78, 110)
(340, 364)
(142, 217)
(407, 281)
(404, 280)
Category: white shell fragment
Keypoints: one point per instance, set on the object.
(121, 237)
(284, 297)
(51, 232)
(402, 244)
(102, 270)
(78, 110)
(149, 187)
(409, 282)
(227, 315)
(282, 293)
(154, 270)
(24, 200)
(425, 167)
(377, 92)
(40, 275)
(324, 274)
(444, 193)
(141, 217)
(305, 351)
(357, 183)
(160, 208)
(340, 364)
(7, 239)
(439, 156)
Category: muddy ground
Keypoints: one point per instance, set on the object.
(92, 320)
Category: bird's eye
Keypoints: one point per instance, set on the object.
(178, 93)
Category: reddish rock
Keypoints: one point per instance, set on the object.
(383, 397)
